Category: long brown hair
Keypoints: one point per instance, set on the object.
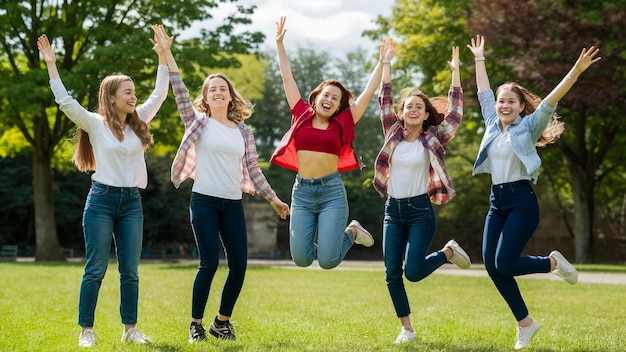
(555, 127)
(346, 96)
(434, 116)
(83, 156)
(239, 108)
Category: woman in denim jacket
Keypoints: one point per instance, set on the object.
(516, 121)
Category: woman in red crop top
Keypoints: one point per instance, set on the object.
(318, 147)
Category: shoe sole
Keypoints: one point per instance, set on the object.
(363, 237)
(560, 258)
(457, 250)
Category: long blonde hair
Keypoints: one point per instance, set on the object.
(555, 127)
(83, 156)
(239, 108)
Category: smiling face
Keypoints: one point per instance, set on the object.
(124, 99)
(217, 94)
(509, 105)
(328, 101)
(414, 112)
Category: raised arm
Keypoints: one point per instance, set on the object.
(454, 66)
(387, 52)
(478, 49)
(48, 56)
(386, 60)
(289, 83)
(586, 59)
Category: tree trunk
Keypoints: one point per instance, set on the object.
(47, 241)
(582, 189)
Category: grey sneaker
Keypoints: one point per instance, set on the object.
(224, 331)
(87, 338)
(524, 335)
(405, 336)
(459, 257)
(564, 269)
(196, 332)
(363, 237)
(136, 336)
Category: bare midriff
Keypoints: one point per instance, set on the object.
(313, 164)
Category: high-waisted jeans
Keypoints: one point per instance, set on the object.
(408, 230)
(214, 219)
(512, 219)
(319, 206)
(111, 213)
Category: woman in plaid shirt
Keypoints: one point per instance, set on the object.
(218, 151)
(411, 172)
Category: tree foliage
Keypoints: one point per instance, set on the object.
(94, 39)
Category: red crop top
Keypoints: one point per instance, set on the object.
(285, 153)
(328, 141)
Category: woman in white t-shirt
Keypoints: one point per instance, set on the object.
(516, 121)
(111, 142)
(411, 173)
(218, 152)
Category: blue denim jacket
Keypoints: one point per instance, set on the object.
(524, 133)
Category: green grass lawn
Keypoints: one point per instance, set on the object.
(294, 309)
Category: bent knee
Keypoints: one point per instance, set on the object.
(324, 264)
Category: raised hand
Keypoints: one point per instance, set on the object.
(586, 59)
(47, 53)
(162, 42)
(388, 50)
(454, 63)
(478, 46)
(280, 29)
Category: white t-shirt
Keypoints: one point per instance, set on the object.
(410, 163)
(219, 152)
(118, 163)
(505, 165)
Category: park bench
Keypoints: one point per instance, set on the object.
(9, 253)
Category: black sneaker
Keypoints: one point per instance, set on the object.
(222, 331)
(196, 332)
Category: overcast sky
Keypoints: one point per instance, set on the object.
(331, 25)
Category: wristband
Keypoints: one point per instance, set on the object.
(385, 61)
(570, 78)
(480, 58)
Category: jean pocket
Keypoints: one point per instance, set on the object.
(98, 189)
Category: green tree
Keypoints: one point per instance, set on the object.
(93, 39)
(539, 50)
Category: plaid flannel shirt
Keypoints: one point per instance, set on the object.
(184, 166)
(440, 189)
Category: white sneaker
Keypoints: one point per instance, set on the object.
(363, 237)
(525, 334)
(405, 336)
(459, 257)
(563, 268)
(87, 338)
(136, 336)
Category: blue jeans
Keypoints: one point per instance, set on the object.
(512, 219)
(111, 213)
(408, 230)
(214, 219)
(319, 206)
